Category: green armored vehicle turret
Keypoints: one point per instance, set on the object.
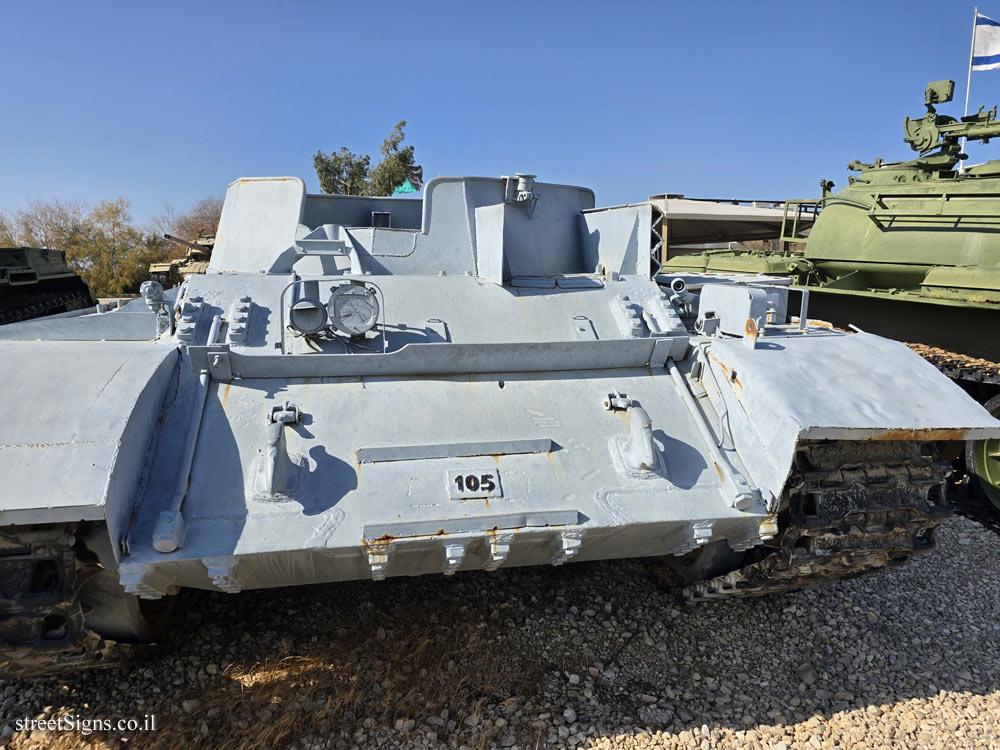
(37, 281)
(910, 250)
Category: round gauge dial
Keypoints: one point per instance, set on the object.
(354, 309)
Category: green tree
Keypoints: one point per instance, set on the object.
(101, 242)
(345, 173)
(114, 255)
(54, 223)
(392, 171)
(348, 173)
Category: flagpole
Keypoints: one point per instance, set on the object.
(968, 80)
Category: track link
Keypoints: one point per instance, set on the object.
(853, 508)
(89, 652)
(40, 304)
(959, 366)
(42, 630)
(966, 498)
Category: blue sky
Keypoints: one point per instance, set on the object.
(168, 104)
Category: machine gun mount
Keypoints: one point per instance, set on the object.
(942, 132)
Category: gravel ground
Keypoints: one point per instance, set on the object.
(588, 655)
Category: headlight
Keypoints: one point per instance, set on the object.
(354, 309)
(308, 316)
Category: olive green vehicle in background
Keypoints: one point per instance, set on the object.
(37, 281)
(909, 250)
(172, 272)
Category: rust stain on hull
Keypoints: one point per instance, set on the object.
(730, 375)
(922, 434)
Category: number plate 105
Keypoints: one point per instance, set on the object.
(469, 484)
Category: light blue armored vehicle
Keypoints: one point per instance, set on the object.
(485, 378)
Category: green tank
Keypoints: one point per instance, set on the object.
(37, 281)
(909, 250)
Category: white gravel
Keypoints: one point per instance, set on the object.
(587, 655)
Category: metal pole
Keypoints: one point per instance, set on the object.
(968, 80)
(734, 487)
(170, 529)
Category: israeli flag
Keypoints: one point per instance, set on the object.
(986, 47)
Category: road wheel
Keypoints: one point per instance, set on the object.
(707, 561)
(982, 458)
(118, 616)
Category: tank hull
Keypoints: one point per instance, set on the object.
(497, 385)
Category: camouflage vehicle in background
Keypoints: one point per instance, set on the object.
(37, 281)
(911, 250)
(172, 272)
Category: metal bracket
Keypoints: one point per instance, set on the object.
(497, 548)
(329, 241)
(754, 534)
(567, 544)
(617, 401)
(144, 581)
(689, 537)
(287, 414)
(454, 555)
(635, 454)
(275, 473)
(519, 190)
(751, 332)
(709, 324)
(222, 572)
(220, 366)
(378, 559)
(437, 330)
